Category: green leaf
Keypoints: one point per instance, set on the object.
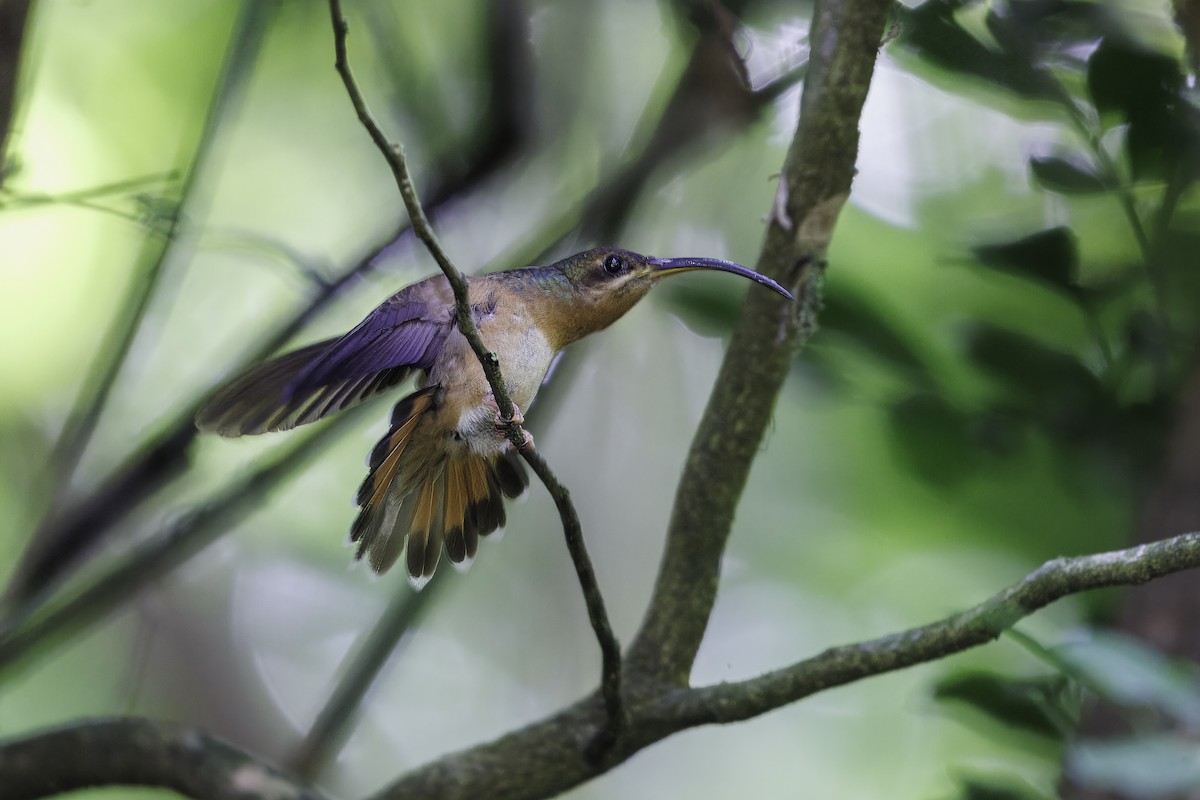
(1128, 673)
(1155, 765)
(1051, 387)
(932, 32)
(1049, 256)
(1125, 78)
(1030, 705)
(987, 787)
(1066, 175)
(932, 437)
(1146, 90)
(856, 316)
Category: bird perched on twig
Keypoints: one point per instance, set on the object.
(440, 475)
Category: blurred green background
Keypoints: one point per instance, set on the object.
(976, 402)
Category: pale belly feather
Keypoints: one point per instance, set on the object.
(525, 356)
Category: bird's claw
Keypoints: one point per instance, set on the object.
(501, 420)
(517, 418)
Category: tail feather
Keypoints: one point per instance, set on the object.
(386, 455)
(488, 508)
(510, 474)
(425, 531)
(423, 494)
(380, 496)
(454, 512)
(477, 493)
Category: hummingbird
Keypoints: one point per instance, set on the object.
(440, 475)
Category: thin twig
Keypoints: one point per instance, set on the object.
(394, 154)
(1111, 174)
(610, 650)
(10, 199)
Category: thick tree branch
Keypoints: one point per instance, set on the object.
(813, 186)
(985, 622)
(543, 759)
(138, 752)
(572, 530)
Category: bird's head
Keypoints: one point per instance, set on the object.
(606, 282)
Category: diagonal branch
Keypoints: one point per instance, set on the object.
(985, 622)
(543, 760)
(572, 530)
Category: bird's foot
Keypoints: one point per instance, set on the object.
(503, 422)
(517, 417)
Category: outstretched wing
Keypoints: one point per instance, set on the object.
(323, 378)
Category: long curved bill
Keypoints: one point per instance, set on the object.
(670, 266)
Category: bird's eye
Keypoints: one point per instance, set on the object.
(614, 264)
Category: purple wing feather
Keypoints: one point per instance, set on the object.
(394, 335)
(310, 383)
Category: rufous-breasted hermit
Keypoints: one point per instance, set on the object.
(440, 475)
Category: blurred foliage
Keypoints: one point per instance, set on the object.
(1150, 765)
(1133, 130)
(1011, 311)
(1038, 705)
(1130, 133)
(986, 787)
(1132, 676)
